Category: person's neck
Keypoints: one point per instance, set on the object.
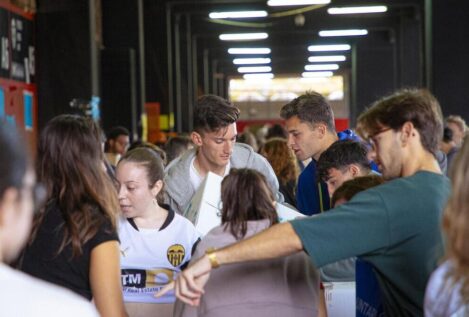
(445, 147)
(329, 138)
(202, 167)
(153, 218)
(418, 161)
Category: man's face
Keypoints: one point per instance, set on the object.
(387, 152)
(458, 135)
(216, 147)
(120, 144)
(336, 177)
(302, 138)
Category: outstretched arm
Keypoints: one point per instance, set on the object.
(277, 241)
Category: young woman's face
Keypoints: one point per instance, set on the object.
(136, 195)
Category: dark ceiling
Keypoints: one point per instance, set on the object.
(287, 40)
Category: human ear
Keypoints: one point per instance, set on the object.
(354, 170)
(321, 129)
(196, 138)
(157, 187)
(407, 131)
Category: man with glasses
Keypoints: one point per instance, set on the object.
(21, 294)
(395, 226)
(216, 151)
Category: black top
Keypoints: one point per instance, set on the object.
(41, 259)
(288, 191)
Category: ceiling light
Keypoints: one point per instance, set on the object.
(322, 67)
(316, 74)
(273, 3)
(352, 32)
(241, 61)
(259, 76)
(255, 69)
(243, 36)
(328, 58)
(326, 48)
(355, 10)
(237, 14)
(248, 50)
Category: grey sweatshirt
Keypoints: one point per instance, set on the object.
(279, 287)
(179, 189)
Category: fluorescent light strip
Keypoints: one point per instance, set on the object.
(322, 67)
(248, 50)
(317, 74)
(357, 10)
(351, 32)
(329, 48)
(241, 61)
(255, 69)
(328, 58)
(274, 3)
(243, 36)
(259, 76)
(237, 14)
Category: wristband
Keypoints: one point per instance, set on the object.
(212, 257)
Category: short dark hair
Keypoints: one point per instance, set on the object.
(247, 137)
(116, 131)
(13, 158)
(340, 155)
(418, 106)
(151, 161)
(212, 113)
(311, 108)
(353, 186)
(245, 196)
(276, 131)
(175, 146)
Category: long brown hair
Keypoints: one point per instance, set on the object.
(456, 220)
(69, 164)
(245, 196)
(282, 159)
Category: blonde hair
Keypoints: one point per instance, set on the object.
(456, 221)
(457, 120)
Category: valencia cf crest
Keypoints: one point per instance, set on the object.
(176, 254)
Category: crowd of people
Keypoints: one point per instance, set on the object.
(103, 230)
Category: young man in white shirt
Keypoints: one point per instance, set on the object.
(216, 151)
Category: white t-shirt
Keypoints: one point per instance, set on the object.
(197, 179)
(152, 258)
(23, 295)
(442, 296)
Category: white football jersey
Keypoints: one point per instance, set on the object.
(152, 258)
